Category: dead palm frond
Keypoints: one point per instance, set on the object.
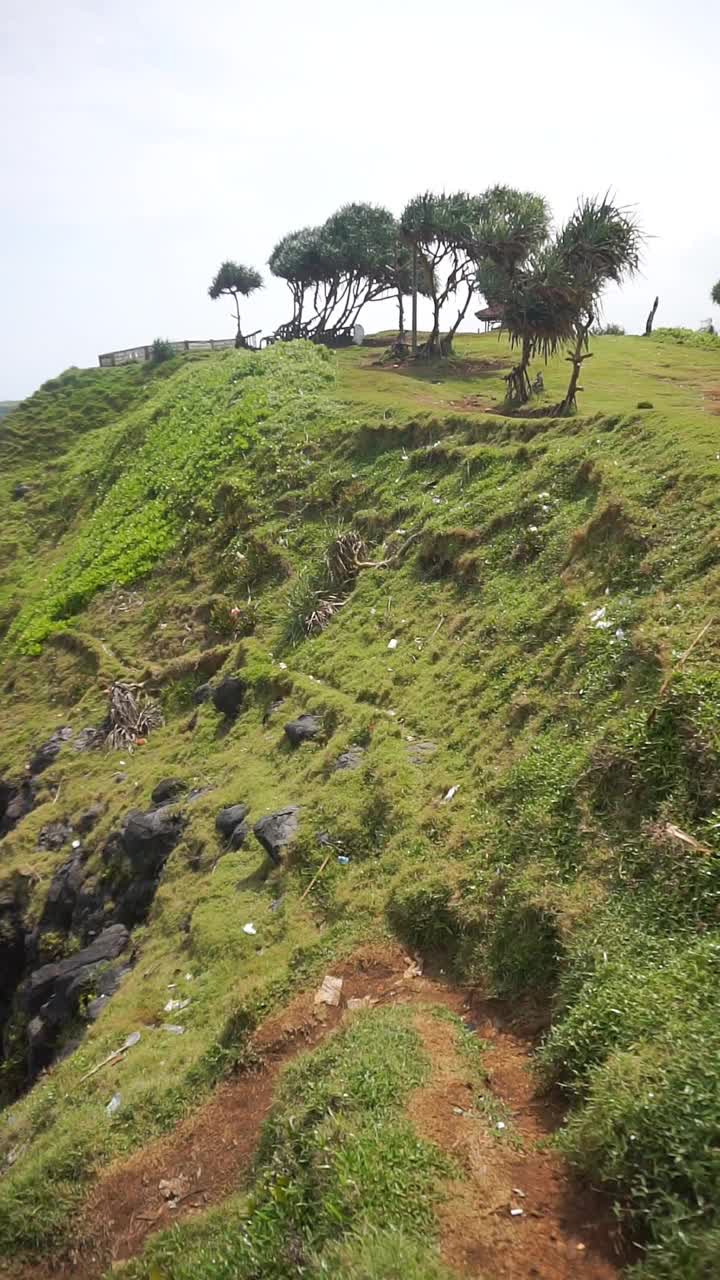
(132, 715)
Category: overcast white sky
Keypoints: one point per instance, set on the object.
(143, 142)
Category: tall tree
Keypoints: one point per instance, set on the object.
(512, 272)
(334, 270)
(234, 280)
(539, 311)
(295, 259)
(599, 245)
(441, 229)
(715, 294)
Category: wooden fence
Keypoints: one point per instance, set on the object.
(136, 355)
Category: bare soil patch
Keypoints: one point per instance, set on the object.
(209, 1155)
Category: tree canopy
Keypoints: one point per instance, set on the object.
(335, 269)
(715, 294)
(235, 280)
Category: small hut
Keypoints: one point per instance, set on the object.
(491, 317)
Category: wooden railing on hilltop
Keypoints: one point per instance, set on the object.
(136, 355)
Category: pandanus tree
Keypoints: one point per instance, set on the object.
(334, 270)
(513, 227)
(235, 280)
(439, 229)
(539, 312)
(599, 245)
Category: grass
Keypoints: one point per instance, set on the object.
(222, 483)
(341, 1178)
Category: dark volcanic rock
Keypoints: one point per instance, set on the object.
(62, 896)
(228, 819)
(15, 803)
(106, 986)
(350, 759)
(61, 980)
(12, 948)
(50, 997)
(239, 835)
(148, 838)
(49, 751)
(88, 819)
(304, 729)
(276, 830)
(87, 739)
(167, 790)
(203, 693)
(228, 695)
(21, 491)
(55, 834)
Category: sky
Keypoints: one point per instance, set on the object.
(143, 143)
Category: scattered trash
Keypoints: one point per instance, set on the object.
(414, 968)
(392, 644)
(172, 1028)
(131, 1040)
(188, 977)
(249, 928)
(516, 1213)
(172, 1005)
(343, 859)
(501, 1125)
(360, 1002)
(459, 1111)
(75, 844)
(114, 1104)
(619, 634)
(282, 666)
(581, 1248)
(597, 615)
(449, 794)
(330, 990)
(517, 1192)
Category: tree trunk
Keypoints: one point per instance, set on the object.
(448, 340)
(576, 360)
(518, 380)
(432, 345)
(651, 318)
(401, 317)
(239, 340)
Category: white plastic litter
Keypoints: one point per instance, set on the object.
(173, 1029)
(172, 1005)
(76, 844)
(249, 928)
(114, 1104)
(449, 794)
(500, 1124)
(392, 644)
(516, 1213)
(598, 614)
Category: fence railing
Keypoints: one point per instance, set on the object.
(136, 355)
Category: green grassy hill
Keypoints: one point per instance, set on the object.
(522, 655)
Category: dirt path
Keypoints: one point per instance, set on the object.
(209, 1155)
(517, 1213)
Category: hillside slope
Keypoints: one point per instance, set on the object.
(499, 628)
